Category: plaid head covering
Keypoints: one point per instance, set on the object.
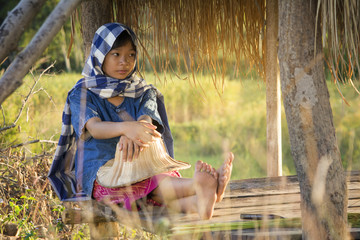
(62, 171)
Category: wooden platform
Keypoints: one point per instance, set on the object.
(277, 197)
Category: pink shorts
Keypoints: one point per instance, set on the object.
(126, 196)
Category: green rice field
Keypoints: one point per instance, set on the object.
(206, 121)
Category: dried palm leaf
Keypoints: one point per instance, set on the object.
(152, 160)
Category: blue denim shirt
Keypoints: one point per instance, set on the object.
(93, 153)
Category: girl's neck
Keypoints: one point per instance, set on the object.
(116, 101)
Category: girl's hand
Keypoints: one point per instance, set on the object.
(130, 150)
(141, 132)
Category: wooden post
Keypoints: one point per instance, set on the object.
(94, 13)
(101, 227)
(310, 122)
(273, 97)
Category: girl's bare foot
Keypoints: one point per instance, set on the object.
(206, 184)
(224, 174)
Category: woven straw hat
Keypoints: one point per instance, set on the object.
(152, 160)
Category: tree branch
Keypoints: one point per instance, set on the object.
(15, 24)
(13, 77)
(3, 114)
(7, 127)
(27, 98)
(33, 141)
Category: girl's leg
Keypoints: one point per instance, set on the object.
(206, 184)
(224, 173)
(184, 205)
(187, 195)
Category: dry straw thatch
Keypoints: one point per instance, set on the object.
(205, 35)
(340, 21)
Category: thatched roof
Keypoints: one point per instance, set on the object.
(340, 22)
(206, 33)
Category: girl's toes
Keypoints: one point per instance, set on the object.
(215, 173)
(208, 168)
(198, 166)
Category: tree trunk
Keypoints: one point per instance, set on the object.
(15, 24)
(94, 13)
(309, 116)
(273, 99)
(13, 77)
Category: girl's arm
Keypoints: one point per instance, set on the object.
(145, 118)
(129, 149)
(140, 132)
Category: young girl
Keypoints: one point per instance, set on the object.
(110, 105)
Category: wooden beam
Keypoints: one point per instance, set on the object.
(273, 97)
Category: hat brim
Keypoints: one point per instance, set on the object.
(152, 160)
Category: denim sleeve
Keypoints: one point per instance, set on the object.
(81, 111)
(148, 106)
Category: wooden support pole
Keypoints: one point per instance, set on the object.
(309, 117)
(94, 13)
(273, 97)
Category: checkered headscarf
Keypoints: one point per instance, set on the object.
(62, 171)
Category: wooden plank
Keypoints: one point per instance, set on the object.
(277, 196)
(260, 200)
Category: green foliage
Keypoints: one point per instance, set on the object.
(354, 220)
(6, 6)
(58, 48)
(235, 118)
(41, 117)
(204, 121)
(19, 214)
(346, 121)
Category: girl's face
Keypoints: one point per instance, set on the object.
(120, 62)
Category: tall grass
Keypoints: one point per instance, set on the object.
(41, 116)
(205, 121)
